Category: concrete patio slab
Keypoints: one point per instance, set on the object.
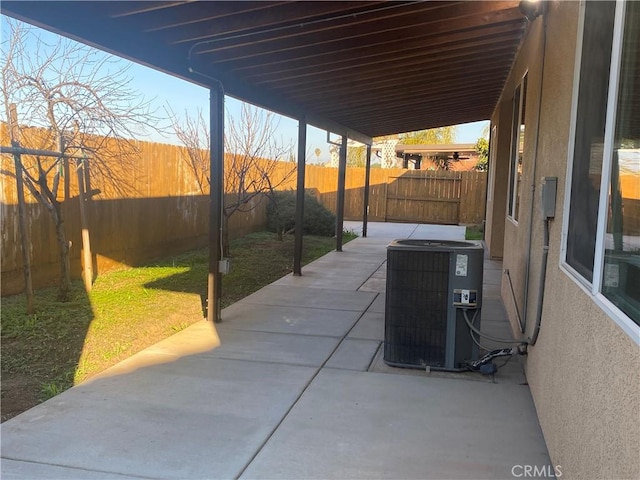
(492, 308)
(377, 282)
(492, 276)
(378, 305)
(291, 384)
(368, 425)
(354, 354)
(382, 231)
(490, 291)
(298, 296)
(274, 347)
(196, 417)
(17, 470)
(347, 273)
(369, 327)
(282, 319)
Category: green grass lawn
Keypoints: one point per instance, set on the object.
(474, 232)
(63, 344)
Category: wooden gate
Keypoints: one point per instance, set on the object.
(424, 197)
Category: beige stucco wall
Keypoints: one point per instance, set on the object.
(498, 179)
(584, 370)
(516, 233)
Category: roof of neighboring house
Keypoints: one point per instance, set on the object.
(432, 149)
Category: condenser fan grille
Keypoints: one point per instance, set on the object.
(416, 299)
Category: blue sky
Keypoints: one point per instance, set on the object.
(183, 97)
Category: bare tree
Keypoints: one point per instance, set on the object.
(441, 161)
(82, 99)
(193, 132)
(256, 162)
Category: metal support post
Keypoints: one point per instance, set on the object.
(367, 178)
(216, 197)
(299, 226)
(342, 173)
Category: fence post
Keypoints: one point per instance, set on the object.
(87, 267)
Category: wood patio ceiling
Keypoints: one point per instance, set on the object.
(376, 68)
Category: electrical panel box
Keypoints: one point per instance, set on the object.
(548, 196)
(465, 298)
(224, 266)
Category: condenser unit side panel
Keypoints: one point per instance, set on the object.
(417, 301)
(465, 349)
(466, 274)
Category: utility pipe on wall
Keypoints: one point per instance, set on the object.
(543, 274)
(523, 324)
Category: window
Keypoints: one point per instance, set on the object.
(589, 136)
(602, 230)
(621, 272)
(517, 148)
(492, 162)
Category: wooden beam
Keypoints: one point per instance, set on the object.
(275, 20)
(390, 79)
(188, 14)
(413, 85)
(357, 50)
(374, 42)
(366, 27)
(370, 65)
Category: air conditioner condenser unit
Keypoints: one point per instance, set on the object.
(429, 285)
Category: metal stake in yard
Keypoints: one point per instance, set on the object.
(17, 151)
(26, 260)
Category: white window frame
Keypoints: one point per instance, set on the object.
(592, 289)
(513, 154)
(492, 161)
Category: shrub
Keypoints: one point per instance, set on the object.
(281, 214)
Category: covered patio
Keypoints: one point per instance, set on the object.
(291, 384)
(355, 69)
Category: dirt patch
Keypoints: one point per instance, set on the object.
(19, 393)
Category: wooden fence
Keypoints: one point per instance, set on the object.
(398, 195)
(164, 212)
